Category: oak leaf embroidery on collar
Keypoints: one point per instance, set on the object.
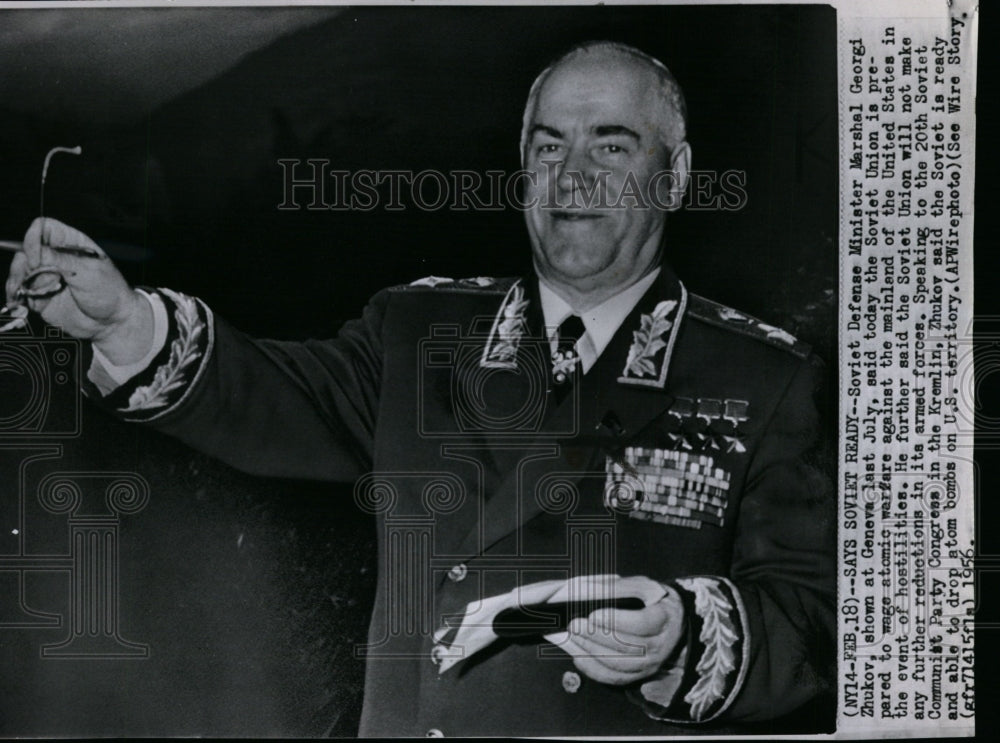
(649, 340)
(508, 329)
(648, 360)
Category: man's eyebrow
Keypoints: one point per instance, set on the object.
(610, 130)
(551, 131)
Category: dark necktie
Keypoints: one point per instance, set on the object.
(566, 359)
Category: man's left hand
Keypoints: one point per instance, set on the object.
(619, 646)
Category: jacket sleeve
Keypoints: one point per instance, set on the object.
(761, 641)
(301, 410)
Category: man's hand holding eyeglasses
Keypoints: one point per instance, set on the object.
(71, 283)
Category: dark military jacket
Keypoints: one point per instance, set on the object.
(681, 455)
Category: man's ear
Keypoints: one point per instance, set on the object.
(672, 189)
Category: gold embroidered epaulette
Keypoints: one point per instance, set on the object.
(473, 284)
(721, 316)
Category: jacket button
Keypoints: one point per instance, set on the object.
(571, 682)
(434, 733)
(437, 654)
(458, 573)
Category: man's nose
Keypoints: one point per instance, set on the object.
(576, 170)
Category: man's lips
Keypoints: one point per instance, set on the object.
(574, 216)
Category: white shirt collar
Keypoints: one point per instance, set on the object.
(601, 322)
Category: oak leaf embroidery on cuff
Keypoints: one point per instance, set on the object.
(184, 351)
(718, 635)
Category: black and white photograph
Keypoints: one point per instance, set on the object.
(404, 371)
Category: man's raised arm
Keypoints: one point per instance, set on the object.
(304, 410)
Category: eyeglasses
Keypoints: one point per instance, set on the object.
(44, 281)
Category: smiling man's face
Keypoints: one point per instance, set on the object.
(596, 129)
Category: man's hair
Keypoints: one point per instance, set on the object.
(673, 128)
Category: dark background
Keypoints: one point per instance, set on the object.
(251, 593)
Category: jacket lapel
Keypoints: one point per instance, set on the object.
(621, 394)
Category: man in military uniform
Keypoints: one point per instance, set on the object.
(589, 433)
